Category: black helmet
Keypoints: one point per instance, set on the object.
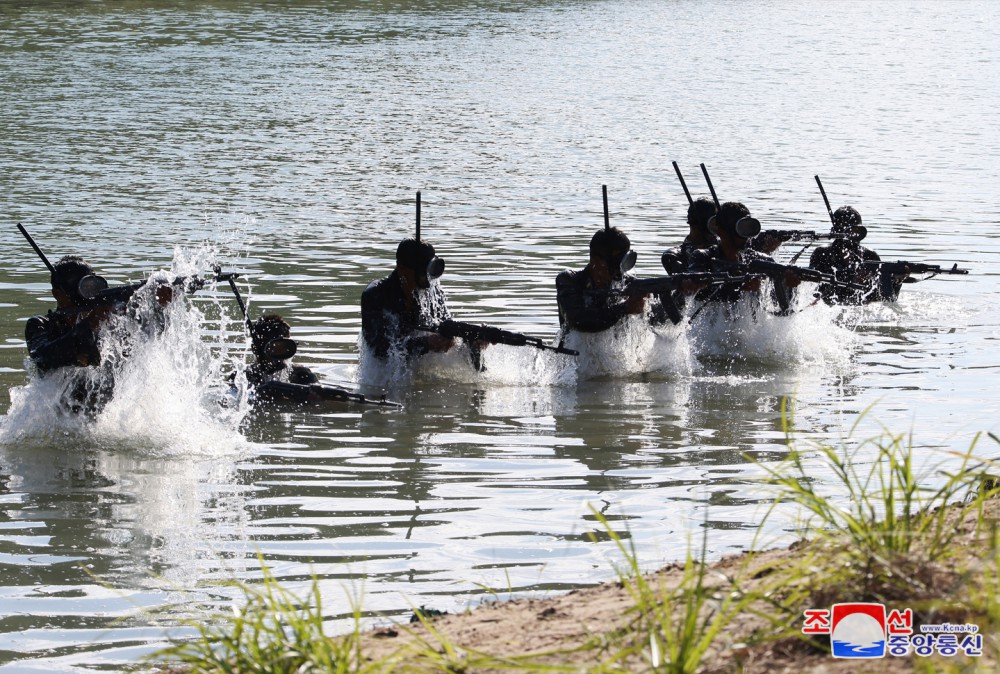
(734, 218)
(613, 246)
(269, 339)
(846, 220)
(67, 274)
(419, 256)
(700, 212)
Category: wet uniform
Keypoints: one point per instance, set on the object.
(845, 261)
(64, 339)
(387, 322)
(706, 260)
(586, 308)
(58, 339)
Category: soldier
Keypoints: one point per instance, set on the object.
(392, 307)
(735, 228)
(587, 299)
(845, 258)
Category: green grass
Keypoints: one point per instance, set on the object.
(890, 522)
(881, 530)
(274, 632)
(674, 626)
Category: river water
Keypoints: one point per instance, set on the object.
(287, 141)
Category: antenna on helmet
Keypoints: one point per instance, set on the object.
(710, 188)
(680, 177)
(607, 220)
(825, 200)
(418, 216)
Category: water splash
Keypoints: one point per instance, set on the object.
(632, 347)
(501, 365)
(498, 364)
(749, 330)
(159, 385)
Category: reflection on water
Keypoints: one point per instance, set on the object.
(292, 140)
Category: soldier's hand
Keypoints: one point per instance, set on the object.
(164, 294)
(792, 279)
(440, 343)
(635, 304)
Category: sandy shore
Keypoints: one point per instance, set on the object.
(594, 629)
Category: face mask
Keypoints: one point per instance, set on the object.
(91, 286)
(281, 349)
(747, 227)
(432, 272)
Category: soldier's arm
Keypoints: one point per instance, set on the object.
(49, 347)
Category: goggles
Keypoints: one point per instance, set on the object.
(91, 286)
(281, 348)
(432, 272)
(746, 227)
(620, 262)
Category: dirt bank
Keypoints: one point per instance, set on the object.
(601, 629)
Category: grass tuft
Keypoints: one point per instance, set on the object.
(275, 631)
(675, 627)
(888, 525)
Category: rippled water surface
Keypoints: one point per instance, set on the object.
(287, 142)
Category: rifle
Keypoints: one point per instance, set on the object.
(469, 332)
(786, 235)
(304, 393)
(95, 288)
(904, 267)
(668, 284)
(776, 270)
(772, 269)
(888, 270)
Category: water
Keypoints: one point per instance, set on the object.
(288, 143)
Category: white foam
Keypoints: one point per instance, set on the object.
(748, 330)
(168, 381)
(503, 366)
(632, 347)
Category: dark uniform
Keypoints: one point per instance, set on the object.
(67, 339)
(708, 260)
(736, 229)
(393, 307)
(592, 299)
(586, 308)
(60, 339)
(846, 258)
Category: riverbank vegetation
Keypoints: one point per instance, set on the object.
(882, 531)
